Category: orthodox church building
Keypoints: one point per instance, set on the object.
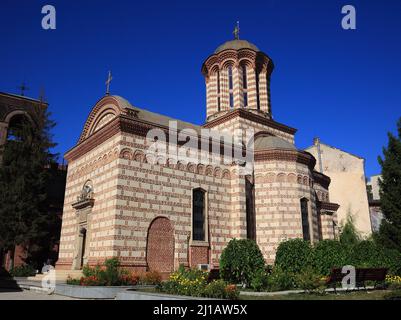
(156, 212)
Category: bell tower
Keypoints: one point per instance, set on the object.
(237, 76)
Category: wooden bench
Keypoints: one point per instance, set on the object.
(378, 275)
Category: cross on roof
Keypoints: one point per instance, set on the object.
(22, 87)
(108, 81)
(236, 31)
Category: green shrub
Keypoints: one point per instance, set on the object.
(392, 260)
(151, 278)
(294, 255)
(363, 254)
(279, 280)
(216, 289)
(191, 282)
(23, 271)
(74, 282)
(111, 276)
(349, 236)
(310, 281)
(240, 260)
(259, 281)
(88, 271)
(328, 254)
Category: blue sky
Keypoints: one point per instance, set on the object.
(341, 85)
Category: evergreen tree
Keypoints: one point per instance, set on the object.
(24, 175)
(349, 235)
(390, 192)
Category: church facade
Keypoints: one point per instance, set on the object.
(157, 210)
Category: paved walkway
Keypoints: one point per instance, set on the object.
(29, 295)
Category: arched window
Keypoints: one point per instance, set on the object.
(231, 86)
(305, 219)
(245, 85)
(198, 215)
(218, 91)
(18, 128)
(230, 78)
(257, 90)
(244, 78)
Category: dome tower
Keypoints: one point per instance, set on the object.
(237, 76)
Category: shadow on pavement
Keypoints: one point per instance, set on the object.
(7, 283)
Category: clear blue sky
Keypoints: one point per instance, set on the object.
(343, 86)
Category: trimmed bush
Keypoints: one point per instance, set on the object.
(328, 254)
(259, 280)
(294, 255)
(279, 280)
(240, 260)
(310, 281)
(23, 271)
(392, 261)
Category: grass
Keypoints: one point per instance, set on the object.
(355, 295)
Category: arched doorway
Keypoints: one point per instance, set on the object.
(160, 246)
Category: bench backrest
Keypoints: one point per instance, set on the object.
(361, 274)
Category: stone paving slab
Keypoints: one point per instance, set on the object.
(29, 295)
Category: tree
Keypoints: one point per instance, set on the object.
(349, 236)
(24, 176)
(390, 192)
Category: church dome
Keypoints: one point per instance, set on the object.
(266, 142)
(236, 45)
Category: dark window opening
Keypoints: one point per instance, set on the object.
(250, 211)
(305, 219)
(230, 78)
(245, 99)
(198, 215)
(244, 78)
(18, 128)
(218, 90)
(231, 100)
(257, 91)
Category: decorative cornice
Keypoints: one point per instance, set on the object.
(321, 179)
(81, 204)
(244, 114)
(109, 130)
(124, 123)
(258, 59)
(286, 155)
(328, 207)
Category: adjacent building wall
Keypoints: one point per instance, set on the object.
(348, 183)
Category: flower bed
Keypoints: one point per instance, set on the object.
(112, 275)
(194, 283)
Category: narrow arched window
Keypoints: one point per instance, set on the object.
(257, 91)
(231, 86)
(198, 215)
(230, 78)
(244, 78)
(245, 85)
(305, 219)
(218, 91)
